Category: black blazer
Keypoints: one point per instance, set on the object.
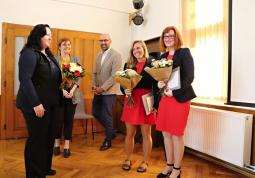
(147, 82)
(182, 58)
(37, 84)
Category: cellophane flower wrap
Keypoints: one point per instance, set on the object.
(128, 79)
(71, 73)
(160, 70)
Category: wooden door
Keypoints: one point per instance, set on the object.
(14, 38)
(85, 46)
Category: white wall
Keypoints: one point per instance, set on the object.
(108, 16)
(157, 15)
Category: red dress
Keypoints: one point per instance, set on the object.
(172, 115)
(136, 115)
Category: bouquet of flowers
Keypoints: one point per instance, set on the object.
(71, 72)
(128, 79)
(160, 70)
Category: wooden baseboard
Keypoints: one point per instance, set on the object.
(225, 164)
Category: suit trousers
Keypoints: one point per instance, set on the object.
(65, 119)
(40, 141)
(102, 111)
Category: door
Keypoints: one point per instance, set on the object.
(15, 38)
(85, 46)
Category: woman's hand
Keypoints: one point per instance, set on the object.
(70, 94)
(128, 91)
(66, 94)
(161, 84)
(39, 110)
(168, 92)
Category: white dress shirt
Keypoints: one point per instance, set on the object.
(104, 55)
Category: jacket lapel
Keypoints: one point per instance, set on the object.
(106, 59)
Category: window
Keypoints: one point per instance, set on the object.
(205, 32)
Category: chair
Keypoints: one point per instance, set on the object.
(81, 114)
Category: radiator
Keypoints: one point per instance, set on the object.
(225, 135)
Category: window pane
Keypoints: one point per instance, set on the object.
(19, 43)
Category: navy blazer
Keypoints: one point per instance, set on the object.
(182, 58)
(37, 85)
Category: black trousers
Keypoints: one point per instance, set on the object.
(102, 110)
(65, 119)
(40, 141)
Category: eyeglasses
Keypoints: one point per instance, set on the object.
(103, 40)
(169, 36)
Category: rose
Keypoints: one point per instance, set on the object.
(77, 73)
(67, 66)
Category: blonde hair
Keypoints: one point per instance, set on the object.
(178, 38)
(132, 60)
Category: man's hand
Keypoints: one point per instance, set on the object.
(97, 90)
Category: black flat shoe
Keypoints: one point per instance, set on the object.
(105, 146)
(56, 150)
(51, 172)
(66, 153)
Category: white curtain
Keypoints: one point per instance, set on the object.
(205, 32)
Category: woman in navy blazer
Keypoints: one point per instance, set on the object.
(39, 98)
(67, 110)
(175, 105)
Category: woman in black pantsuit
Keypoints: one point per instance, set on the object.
(39, 98)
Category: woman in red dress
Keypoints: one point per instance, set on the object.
(135, 115)
(174, 107)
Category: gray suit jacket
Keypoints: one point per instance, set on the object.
(103, 74)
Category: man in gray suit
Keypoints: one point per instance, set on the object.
(104, 87)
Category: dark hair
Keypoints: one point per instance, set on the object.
(34, 38)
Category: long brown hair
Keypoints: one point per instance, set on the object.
(178, 38)
(132, 60)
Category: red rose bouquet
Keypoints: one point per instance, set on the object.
(71, 73)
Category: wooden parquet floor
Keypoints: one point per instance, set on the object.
(87, 162)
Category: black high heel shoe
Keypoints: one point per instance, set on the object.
(179, 169)
(162, 175)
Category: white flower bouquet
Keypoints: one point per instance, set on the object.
(128, 79)
(160, 70)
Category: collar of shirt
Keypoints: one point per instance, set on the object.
(104, 55)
